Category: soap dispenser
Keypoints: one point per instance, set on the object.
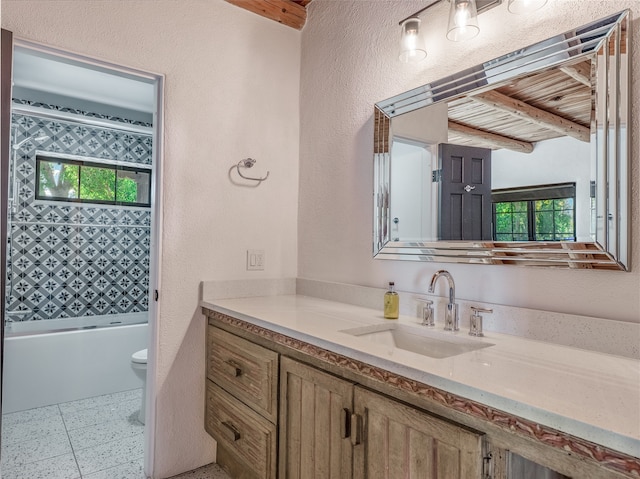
(391, 302)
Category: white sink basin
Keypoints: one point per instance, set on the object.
(417, 339)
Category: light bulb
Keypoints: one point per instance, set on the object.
(463, 20)
(525, 6)
(411, 44)
(462, 16)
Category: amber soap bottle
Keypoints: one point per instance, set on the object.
(391, 302)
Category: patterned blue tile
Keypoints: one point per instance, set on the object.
(68, 259)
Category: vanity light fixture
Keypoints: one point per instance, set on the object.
(412, 48)
(463, 23)
(463, 20)
(520, 7)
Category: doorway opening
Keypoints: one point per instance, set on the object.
(82, 261)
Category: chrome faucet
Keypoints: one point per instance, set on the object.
(451, 320)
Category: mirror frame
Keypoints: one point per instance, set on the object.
(610, 73)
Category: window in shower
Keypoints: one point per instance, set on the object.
(66, 180)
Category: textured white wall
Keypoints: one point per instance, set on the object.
(232, 91)
(349, 61)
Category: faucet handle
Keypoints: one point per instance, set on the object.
(427, 312)
(475, 321)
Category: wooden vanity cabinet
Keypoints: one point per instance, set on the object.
(242, 403)
(329, 428)
(279, 407)
(325, 420)
(521, 468)
(402, 441)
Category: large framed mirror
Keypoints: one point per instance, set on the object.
(522, 160)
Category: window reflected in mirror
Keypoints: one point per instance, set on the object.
(542, 213)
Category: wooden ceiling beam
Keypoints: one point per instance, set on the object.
(287, 12)
(490, 139)
(532, 114)
(580, 72)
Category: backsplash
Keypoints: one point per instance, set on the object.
(71, 260)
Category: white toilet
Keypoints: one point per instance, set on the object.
(139, 366)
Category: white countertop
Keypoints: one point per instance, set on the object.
(590, 395)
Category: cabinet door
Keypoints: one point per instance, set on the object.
(400, 441)
(314, 434)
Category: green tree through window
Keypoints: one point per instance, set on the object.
(97, 184)
(78, 181)
(127, 190)
(58, 180)
(542, 213)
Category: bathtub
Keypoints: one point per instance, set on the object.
(67, 359)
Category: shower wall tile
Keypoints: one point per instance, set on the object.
(76, 260)
(79, 112)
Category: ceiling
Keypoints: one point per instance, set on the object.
(550, 104)
(292, 13)
(39, 71)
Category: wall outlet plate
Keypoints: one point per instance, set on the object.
(255, 260)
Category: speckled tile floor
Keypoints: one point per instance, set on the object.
(212, 471)
(94, 438)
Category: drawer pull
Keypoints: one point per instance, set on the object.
(356, 429)
(345, 423)
(230, 432)
(232, 369)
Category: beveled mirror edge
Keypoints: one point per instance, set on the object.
(572, 255)
(461, 83)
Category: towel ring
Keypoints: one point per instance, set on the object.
(248, 163)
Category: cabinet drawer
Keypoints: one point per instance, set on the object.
(244, 433)
(248, 371)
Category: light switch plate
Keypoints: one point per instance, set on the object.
(255, 260)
